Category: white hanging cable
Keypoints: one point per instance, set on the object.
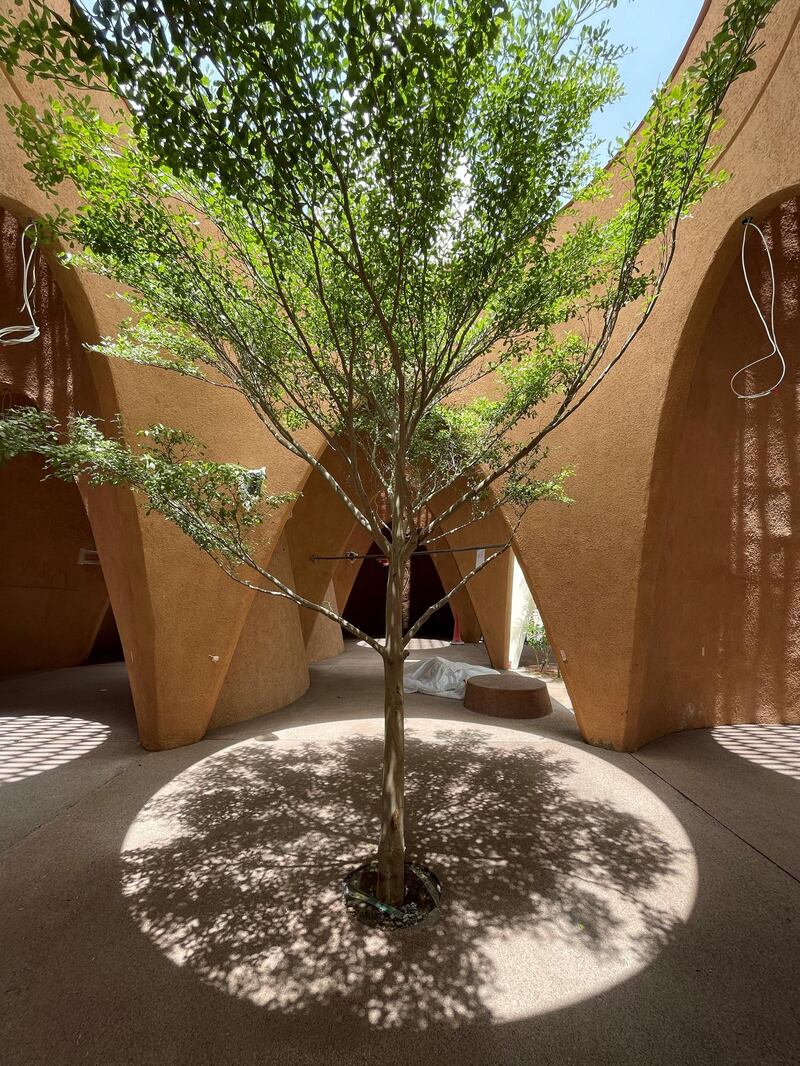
(26, 333)
(769, 327)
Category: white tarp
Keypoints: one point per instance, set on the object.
(441, 677)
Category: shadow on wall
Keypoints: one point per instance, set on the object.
(53, 599)
(234, 871)
(52, 369)
(725, 644)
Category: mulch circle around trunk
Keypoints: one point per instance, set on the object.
(423, 892)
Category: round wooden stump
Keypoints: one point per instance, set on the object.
(508, 696)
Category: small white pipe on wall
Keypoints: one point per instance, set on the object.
(24, 334)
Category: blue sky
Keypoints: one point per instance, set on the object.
(657, 30)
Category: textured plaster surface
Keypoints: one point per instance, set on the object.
(601, 570)
(594, 567)
(181, 906)
(724, 644)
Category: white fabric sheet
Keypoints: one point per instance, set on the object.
(441, 677)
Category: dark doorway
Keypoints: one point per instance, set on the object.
(366, 604)
(426, 589)
(107, 647)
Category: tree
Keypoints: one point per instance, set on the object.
(356, 214)
(536, 637)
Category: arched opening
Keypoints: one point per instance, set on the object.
(54, 605)
(366, 604)
(724, 646)
(321, 530)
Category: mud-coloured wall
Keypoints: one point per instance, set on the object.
(724, 643)
(667, 464)
(51, 606)
(595, 566)
(180, 618)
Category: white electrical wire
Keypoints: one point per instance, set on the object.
(25, 334)
(769, 327)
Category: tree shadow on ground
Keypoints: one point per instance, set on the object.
(234, 871)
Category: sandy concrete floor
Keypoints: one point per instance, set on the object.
(182, 907)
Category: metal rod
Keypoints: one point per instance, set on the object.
(352, 556)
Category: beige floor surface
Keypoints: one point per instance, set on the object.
(183, 907)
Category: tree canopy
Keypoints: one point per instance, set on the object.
(358, 215)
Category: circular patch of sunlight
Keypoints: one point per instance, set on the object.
(562, 875)
(33, 743)
(775, 747)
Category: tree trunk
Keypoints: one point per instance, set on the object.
(392, 847)
(407, 596)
